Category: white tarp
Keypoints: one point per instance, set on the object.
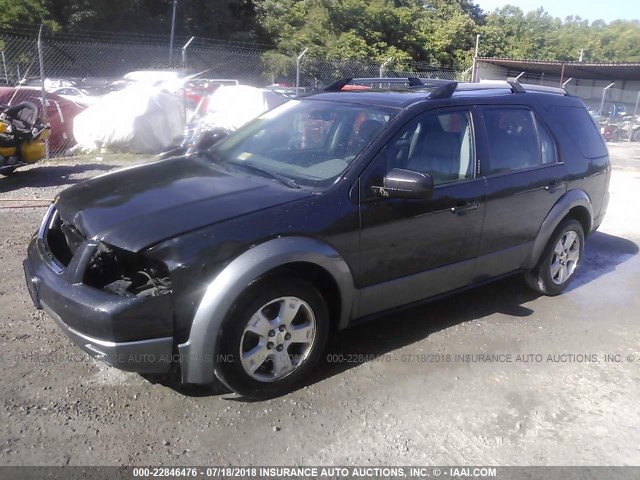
(138, 119)
(231, 106)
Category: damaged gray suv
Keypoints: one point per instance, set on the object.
(237, 261)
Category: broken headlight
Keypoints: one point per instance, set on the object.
(127, 274)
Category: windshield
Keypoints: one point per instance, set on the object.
(311, 142)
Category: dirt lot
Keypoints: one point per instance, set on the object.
(59, 407)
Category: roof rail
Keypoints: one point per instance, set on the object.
(444, 91)
(340, 84)
(447, 90)
(528, 87)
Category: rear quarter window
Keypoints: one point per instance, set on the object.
(578, 125)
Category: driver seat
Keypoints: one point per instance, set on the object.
(23, 116)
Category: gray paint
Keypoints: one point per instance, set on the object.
(198, 353)
(420, 286)
(142, 356)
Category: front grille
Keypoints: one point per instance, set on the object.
(61, 239)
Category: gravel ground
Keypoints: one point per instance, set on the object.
(574, 408)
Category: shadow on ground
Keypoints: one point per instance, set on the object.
(603, 252)
(49, 176)
(394, 330)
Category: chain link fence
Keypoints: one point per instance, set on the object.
(96, 62)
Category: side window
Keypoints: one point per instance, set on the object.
(513, 141)
(438, 144)
(547, 145)
(581, 129)
(366, 127)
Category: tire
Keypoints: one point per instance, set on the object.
(271, 338)
(636, 136)
(560, 259)
(616, 136)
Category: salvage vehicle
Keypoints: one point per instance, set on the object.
(237, 261)
(76, 95)
(58, 112)
(22, 136)
(623, 130)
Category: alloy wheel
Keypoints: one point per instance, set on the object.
(565, 257)
(278, 339)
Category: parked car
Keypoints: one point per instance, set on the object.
(76, 95)
(237, 262)
(621, 130)
(60, 113)
(286, 89)
(196, 91)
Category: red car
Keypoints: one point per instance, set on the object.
(196, 91)
(60, 113)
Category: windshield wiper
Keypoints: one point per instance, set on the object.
(266, 173)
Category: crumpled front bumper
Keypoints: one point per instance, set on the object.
(129, 333)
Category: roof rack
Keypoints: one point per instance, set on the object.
(340, 84)
(447, 90)
(444, 89)
(529, 87)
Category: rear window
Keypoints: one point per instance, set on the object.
(580, 127)
(513, 140)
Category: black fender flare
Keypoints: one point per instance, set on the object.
(570, 200)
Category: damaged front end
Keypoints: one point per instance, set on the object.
(115, 304)
(127, 274)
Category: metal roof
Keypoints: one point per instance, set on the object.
(586, 70)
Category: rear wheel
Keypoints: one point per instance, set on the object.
(272, 337)
(636, 136)
(560, 259)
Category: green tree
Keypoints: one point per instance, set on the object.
(621, 41)
(20, 13)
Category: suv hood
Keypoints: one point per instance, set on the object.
(136, 207)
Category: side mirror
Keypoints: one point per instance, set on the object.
(400, 183)
(209, 138)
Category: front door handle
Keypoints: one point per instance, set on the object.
(465, 207)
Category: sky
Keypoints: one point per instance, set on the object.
(588, 9)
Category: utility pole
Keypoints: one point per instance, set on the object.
(4, 64)
(184, 52)
(173, 26)
(474, 68)
(604, 92)
(44, 95)
(384, 64)
(298, 70)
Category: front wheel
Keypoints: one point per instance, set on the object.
(272, 337)
(560, 260)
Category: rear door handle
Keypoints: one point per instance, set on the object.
(461, 209)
